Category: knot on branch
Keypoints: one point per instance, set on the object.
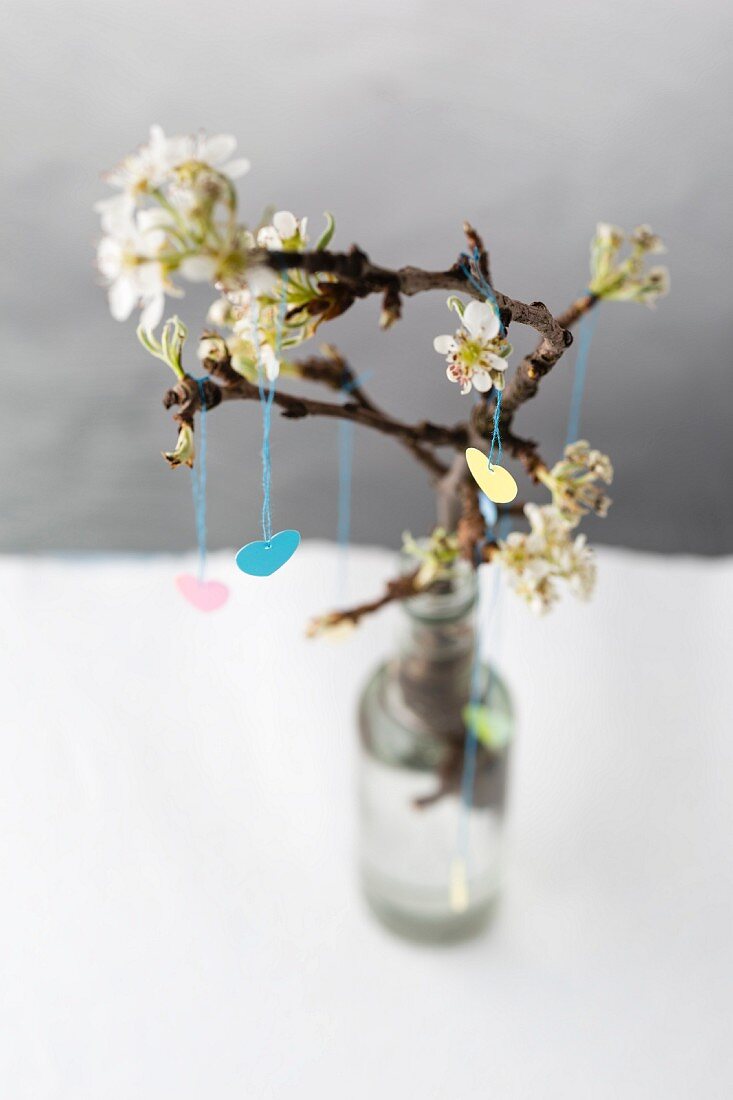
(187, 395)
(220, 366)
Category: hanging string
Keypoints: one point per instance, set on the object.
(198, 482)
(460, 866)
(346, 453)
(471, 268)
(585, 338)
(496, 434)
(345, 462)
(266, 399)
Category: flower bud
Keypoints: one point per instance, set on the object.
(212, 347)
(184, 453)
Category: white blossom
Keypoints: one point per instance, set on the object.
(220, 313)
(476, 352)
(129, 264)
(270, 361)
(216, 151)
(286, 232)
(626, 279)
(151, 165)
(167, 218)
(538, 560)
(436, 554)
(573, 482)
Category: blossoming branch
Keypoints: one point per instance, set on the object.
(175, 219)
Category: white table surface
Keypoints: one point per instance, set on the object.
(179, 916)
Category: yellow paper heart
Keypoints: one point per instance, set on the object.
(495, 481)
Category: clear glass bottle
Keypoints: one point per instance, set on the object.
(429, 855)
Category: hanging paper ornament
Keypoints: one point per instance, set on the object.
(496, 482)
(200, 593)
(265, 556)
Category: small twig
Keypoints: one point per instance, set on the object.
(332, 369)
(294, 407)
(526, 379)
(400, 588)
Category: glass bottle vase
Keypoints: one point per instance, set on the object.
(431, 798)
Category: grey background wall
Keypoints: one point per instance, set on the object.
(532, 119)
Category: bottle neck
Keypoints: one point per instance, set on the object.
(429, 679)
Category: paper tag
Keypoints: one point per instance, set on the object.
(495, 481)
(204, 595)
(262, 559)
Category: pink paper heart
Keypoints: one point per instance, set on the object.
(205, 595)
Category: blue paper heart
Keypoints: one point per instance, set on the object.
(261, 559)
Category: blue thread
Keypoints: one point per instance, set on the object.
(346, 456)
(198, 482)
(346, 443)
(266, 400)
(488, 510)
(468, 774)
(496, 434)
(479, 282)
(580, 370)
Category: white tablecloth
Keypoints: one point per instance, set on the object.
(179, 916)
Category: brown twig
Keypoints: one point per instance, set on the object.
(525, 381)
(360, 277)
(400, 588)
(333, 370)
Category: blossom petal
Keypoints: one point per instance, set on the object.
(260, 279)
(270, 362)
(215, 150)
(479, 318)
(492, 327)
(109, 257)
(149, 278)
(116, 214)
(157, 138)
(199, 269)
(444, 344)
(235, 169)
(152, 314)
(153, 217)
(481, 380)
(267, 237)
(286, 224)
(122, 298)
